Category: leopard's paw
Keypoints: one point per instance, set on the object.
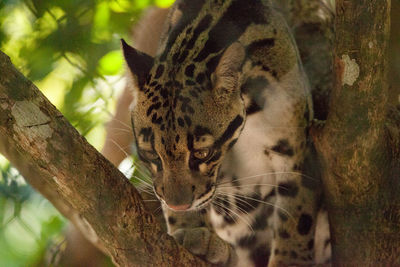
(206, 244)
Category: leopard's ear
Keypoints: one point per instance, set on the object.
(225, 79)
(138, 63)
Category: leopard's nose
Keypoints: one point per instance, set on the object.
(179, 207)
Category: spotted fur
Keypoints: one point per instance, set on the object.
(220, 118)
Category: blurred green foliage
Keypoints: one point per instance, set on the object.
(71, 50)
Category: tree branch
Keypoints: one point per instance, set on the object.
(78, 180)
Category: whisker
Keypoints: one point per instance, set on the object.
(142, 172)
(250, 185)
(261, 201)
(245, 203)
(145, 191)
(128, 127)
(142, 182)
(268, 173)
(141, 169)
(225, 209)
(144, 187)
(115, 143)
(231, 210)
(120, 129)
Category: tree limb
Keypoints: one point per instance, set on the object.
(78, 180)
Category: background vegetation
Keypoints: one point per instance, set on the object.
(70, 49)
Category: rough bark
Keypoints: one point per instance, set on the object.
(78, 180)
(359, 143)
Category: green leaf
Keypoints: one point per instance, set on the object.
(164, 3)
(101, 31)
(111, 63)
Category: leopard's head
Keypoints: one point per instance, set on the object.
(185, 117)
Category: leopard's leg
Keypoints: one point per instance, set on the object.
(192, 230)
(295, 215)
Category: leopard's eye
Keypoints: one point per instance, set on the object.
(202, 153)
(149, 155)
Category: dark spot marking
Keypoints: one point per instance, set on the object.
(155, 119)
(283, 148)
(284, 234)
(190, 142)
(305, 224)
(181, 122)
(282, 216)
(183, 56)
(200, 131)
(189, 82)
(230, 131)
(191, 11)
(238, 16)
(293, 254)
(229, 218)
(193, 93)
(159, 71)
(299, 207)
(247, 203)
(310, 244)
(253, 108)
(158, 87)
(189, 70)
(260, 255)
(232, 143)
(177, 138)
(288, 189)
(201, 27)
(261, 220)
(261, 44)
(171, 220)
(153, 107)
(147, 133)
(164, 93)
(212, 64)
(188, 121)
(200, 78)
(247, 241)
(215, 157)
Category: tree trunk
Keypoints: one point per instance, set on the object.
(78, 180)
(359, 143)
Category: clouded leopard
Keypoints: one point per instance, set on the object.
(220, 118)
